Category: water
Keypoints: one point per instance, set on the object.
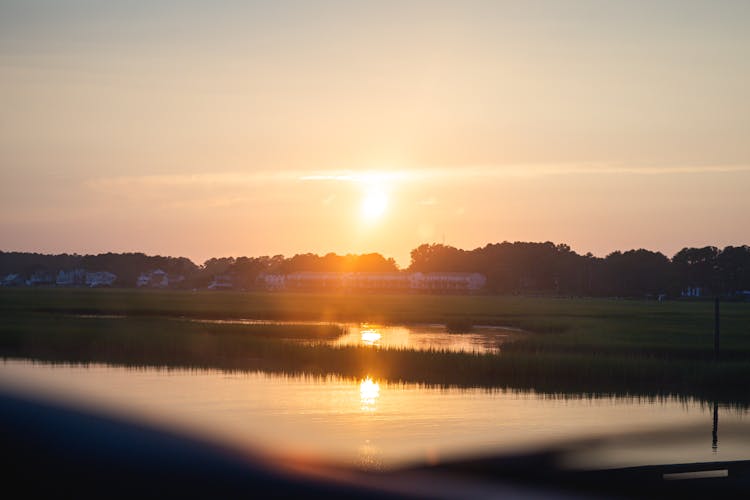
(426, 337)
(375, 425)
(421, 337)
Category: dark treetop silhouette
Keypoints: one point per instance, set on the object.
(510, 268)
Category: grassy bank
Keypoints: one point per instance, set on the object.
(671, 330)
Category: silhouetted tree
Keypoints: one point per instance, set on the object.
(696, 267)
(510, 268)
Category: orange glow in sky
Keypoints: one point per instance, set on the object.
(265, 128)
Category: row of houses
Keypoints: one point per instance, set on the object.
(692, 292)
(406, 282)
(161, 279)
(75, 277)
(158, 279)
(299, 281)
(82, 277)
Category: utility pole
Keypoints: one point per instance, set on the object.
(715, 432)
(716, 329)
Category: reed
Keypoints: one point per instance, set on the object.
(672, 329)
(174, 343)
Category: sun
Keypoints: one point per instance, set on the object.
(374, 204)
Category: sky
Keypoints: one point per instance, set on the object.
(202, 129)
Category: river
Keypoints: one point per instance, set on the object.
(372, 424)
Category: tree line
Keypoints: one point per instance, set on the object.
(523, 267)
(510, 268)
(243, 270)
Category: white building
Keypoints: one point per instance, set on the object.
(12, 279)
(158, 279)
(444, 282)
(41, 278)
(273, 281)
(314, 280)
(71, 278)
(153, 279)
(221, 282)
(100, 278)
(692, 292)
(396, 281)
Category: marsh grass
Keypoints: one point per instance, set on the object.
(177, 343)
(667, 329)
(575, 346)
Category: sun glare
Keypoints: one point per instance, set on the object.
(374, 204)
(370, 336)
(369, 391)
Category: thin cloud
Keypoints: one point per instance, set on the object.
(523, 170)
(544, 170)
(368, 177)
(179, 180)
(239, 179)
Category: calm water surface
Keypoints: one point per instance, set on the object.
(372, 424)
(414, 337)
(425, 337)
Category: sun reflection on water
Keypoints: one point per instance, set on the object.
(370, 336)
(369, 391)
(370, 456)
